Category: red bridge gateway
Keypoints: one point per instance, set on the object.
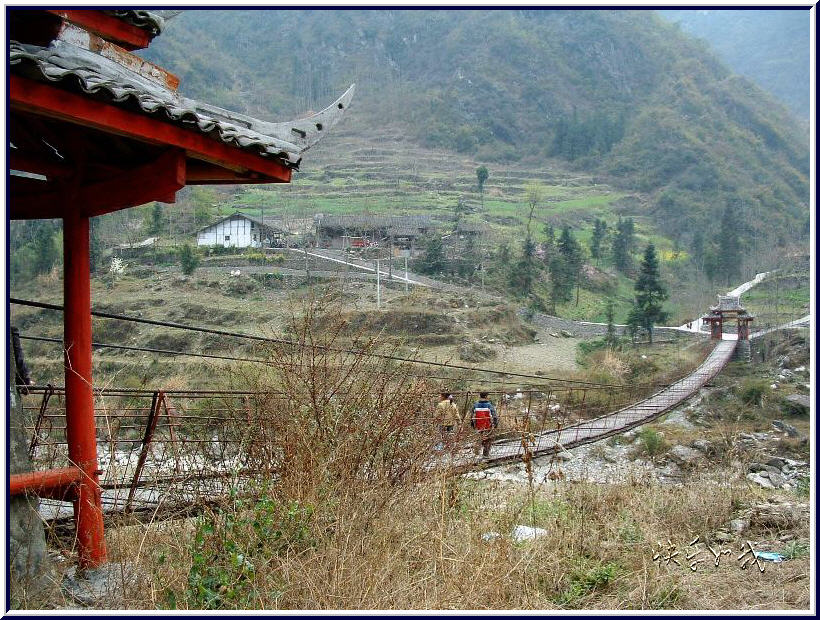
(93, 129)
(728, 308)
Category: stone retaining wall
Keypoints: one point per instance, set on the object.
(579, 329)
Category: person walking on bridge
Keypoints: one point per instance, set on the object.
(447, 418)
(484, 420)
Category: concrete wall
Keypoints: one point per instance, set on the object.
(584, 330)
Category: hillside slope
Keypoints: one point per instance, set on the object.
(772, 47)
(621, 94)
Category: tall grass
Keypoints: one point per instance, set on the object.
(351, 510)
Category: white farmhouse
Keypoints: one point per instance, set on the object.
(241, 231)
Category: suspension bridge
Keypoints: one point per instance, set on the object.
(169, 453)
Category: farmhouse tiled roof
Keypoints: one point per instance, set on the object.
(274, 223)
(76, 68)
(374, 221)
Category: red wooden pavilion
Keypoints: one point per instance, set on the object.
(92, 129)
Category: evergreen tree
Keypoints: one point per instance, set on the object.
(611, 336)
(622, 244)
(698, 249)
(561, 280)
(650, 294)
(570, 249)
(482, 174)
(95, 245)
(524, 273)
(188, 259)
(433, 261)
(45, 248)
(728, 254)
(565, 268)
(155, 221)
(549, 233)
(598, 236)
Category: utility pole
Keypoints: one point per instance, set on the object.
(346, 257)
(406, 278)
(378, 285)
(390, 268)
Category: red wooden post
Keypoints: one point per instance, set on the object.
(81, 431)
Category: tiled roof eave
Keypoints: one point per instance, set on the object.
(73, 68)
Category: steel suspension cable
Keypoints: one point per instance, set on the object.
(207, 330)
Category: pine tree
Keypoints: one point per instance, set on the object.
(188, 259)
(433, 261)
(728, 254)
(561, 280)
(622, 244)
(570, 249)
(524, 273)
(698, 249)
(565, 268)
(482, 174)
(155, 221)
(95, 245)
(650, 294)
(611, 336)
(598, 236)
(45, 248)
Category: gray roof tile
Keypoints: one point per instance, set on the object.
(74, 67)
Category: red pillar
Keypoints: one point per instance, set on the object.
(81, 432)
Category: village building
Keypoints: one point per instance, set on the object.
(401, 233)
(240, 230)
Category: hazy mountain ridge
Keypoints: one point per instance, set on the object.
(771, 47)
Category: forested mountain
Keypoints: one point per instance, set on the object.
(772, 47)
(622, 94)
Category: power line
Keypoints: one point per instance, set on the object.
(105, 345)
(207, 330)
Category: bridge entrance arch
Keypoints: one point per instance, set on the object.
(728, 308)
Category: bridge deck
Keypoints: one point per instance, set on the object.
(194, 483)
(622, 420)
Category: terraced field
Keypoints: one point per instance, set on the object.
(388, 174)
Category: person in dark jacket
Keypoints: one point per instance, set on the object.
(484, 420)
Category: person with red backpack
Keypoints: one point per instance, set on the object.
(483, 419)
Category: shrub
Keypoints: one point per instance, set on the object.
(752, 391)
(651, 442)
(796, 549)
(188, 259)
(585, 581)
(229, 545)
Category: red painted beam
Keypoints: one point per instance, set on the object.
(81, 430)
(47, 100)
(42, 482)
(38, 165)
(156, 180)
(108, 27)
